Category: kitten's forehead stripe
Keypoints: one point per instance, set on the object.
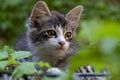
(57, 19)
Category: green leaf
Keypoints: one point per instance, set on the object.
(3, 64)
(47, 65)
(40, 64)
(43, 64)
(12, 61)
(21, 54)
(26, 68)
(3, 54)
(8, 49)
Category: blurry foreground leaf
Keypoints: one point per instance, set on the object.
(8, 49)
(3, 64)
(43, 64)
(108, 45)
(26, 68)
(21, 54)
(13, 61)
(88, 56)
(3, 54)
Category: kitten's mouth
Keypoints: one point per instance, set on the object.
(60, 48)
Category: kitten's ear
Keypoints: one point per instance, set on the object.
(40, 11)
(74, 14)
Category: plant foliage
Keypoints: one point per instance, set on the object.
(9, 58)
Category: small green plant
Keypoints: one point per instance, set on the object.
(10, 63)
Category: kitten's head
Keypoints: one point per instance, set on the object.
(52, 32)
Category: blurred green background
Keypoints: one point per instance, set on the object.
(99, 36)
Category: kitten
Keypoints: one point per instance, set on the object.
(51, 35)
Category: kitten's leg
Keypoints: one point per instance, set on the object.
(86, 69)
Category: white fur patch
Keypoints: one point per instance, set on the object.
(54, 71)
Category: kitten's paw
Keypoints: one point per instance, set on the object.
(86, 69)
(54, 72)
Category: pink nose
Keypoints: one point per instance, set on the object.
(61, 43)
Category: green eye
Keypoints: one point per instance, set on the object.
(68, 35)
(51, 33)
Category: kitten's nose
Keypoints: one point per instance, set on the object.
(61, 43)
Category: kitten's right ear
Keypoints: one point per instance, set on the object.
(74, 14)
(40, 11)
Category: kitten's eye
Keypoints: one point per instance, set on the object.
(51, 33)
(68, 35)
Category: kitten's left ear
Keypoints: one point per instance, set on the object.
(40, 11)
(74, 14)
